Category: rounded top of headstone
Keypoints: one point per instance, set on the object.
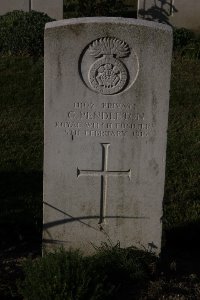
(114, 20)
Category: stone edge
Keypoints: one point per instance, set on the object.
(106, 20)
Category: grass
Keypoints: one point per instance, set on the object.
(21, 152)
(112, 273)
(21, 114)
(182, 195)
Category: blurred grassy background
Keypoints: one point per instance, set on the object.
(21, 151)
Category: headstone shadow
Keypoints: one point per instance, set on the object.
(182, 247)
(21, 207)
(160, 11)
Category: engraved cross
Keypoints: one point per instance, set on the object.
(104, 173)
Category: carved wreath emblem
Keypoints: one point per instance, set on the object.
(108, 75)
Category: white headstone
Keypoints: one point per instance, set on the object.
(10, 5)
(53, 8)
(106, 109)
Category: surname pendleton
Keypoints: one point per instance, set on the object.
(99, 115)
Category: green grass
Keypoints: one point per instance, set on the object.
(21, 81)
(21, 151)
(110, 274)
(182, 193)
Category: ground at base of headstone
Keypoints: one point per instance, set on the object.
(12, 256)
(112, 273)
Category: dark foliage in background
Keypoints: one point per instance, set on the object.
(22, 33)
(186, 44)
(182, 37)
(91, 8)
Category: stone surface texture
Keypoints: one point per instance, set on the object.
(179, 13)
(107, 86)
(10, 5)
(53, 8)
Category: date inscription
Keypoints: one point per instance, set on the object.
(106, 120)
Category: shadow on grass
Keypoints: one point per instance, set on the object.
(21, 207)
(180, 253)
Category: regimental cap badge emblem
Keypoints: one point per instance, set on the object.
(108, 66)
(108, 75)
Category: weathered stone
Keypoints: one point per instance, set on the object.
(179, 13)
(53, 8)
(10, 5)
(106, 109)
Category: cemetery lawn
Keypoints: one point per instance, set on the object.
(21, 154)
